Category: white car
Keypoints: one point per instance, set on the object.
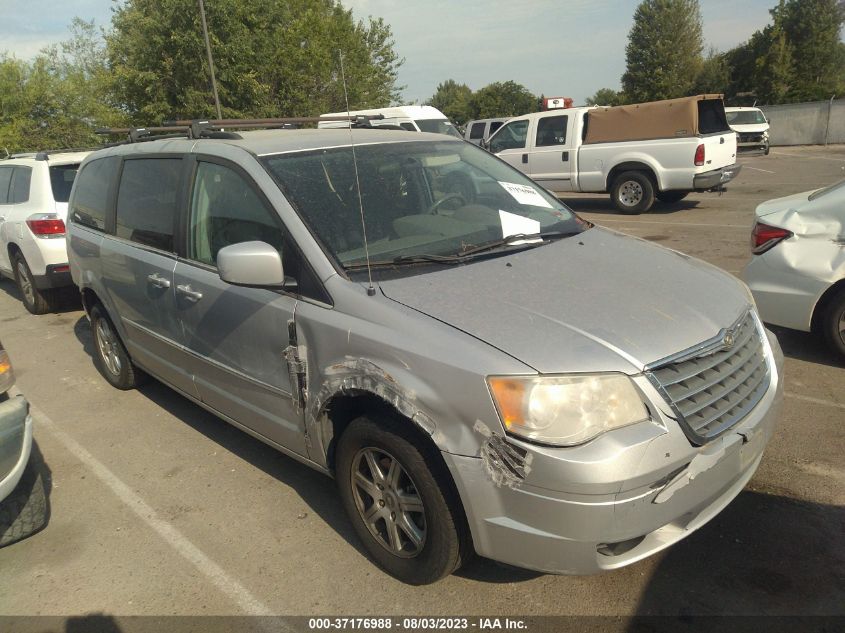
(34, 190)
(797, 273)
(751, 127)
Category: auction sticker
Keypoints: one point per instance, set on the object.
(525, 194)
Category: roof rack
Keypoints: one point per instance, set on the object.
(45, 154)
(219, 128)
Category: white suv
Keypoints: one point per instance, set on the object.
(34, 190)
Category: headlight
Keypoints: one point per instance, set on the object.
(7, 376)
(566, 410)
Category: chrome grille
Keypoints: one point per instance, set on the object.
(715, 385)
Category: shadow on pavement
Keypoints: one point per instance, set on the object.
(605, 207)
(806, 346)
(67, 299)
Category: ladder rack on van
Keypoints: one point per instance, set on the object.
(219, 128)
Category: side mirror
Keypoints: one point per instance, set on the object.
(485, 144)
(251, 264)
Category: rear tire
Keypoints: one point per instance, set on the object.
(671, 197)
(110, 356)
(24, 512)
(833, 323)
(35, 300)
(632, 192)
(386, 511)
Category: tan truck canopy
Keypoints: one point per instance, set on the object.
(671, 118)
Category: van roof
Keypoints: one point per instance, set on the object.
(396, 112)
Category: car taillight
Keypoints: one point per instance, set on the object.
(46, 225)
(699, 155)
(764, 237)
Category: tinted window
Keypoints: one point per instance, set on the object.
(226, 210)
(5, 179)
(90, 198)
(19, 190)
(551, 130)
(711, 117)
(511, 136)
(147, 200)
(61, 180)
(477, 130)
(495, 125)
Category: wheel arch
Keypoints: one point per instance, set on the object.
(632, 165)
(823, 302)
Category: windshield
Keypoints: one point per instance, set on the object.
(438, 126)
(823, 192)
(745, 117)
(419, 198)
(61, 179)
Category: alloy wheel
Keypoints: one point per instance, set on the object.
(107, 344)
(25, 282)
(630, 193)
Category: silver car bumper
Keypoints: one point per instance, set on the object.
(15, 442)
(537, 526)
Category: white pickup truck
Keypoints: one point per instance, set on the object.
(662, 150)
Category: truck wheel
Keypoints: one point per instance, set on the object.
(833, 323)
(766, 150)
(402, 506)
(110, 356)
(670, 197)
(35, 300)
(632, 192)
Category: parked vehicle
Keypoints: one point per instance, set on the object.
(34, 190)
(23, 501)
(463, 373)
(481, 129)
(411, 118)
(797, 273)
(661, 150)
(751, 127)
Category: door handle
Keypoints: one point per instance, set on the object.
(722, 140)
(525, 158)
(564, 157)
(190, 295)
(158, 281)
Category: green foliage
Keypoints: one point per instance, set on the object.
(664, 50)
(607, 97)
(272, 58)
(501, 99)
(58, 99)
(453, 100)
(714, 75)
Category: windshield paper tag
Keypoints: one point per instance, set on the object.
(513, 224)
(525, 194)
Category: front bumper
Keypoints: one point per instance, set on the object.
(15, 442)
(716, 178)
(653, 495)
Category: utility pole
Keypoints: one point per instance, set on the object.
(210, 60)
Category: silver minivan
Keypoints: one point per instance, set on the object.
(481, 370)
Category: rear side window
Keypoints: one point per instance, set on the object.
(91, 196)
(19, 191)
(61, 180)
(147, 201)
(477, 130)
(551, 130)
(5, 179)
(711, 117)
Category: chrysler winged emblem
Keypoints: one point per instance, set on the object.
(728, 340)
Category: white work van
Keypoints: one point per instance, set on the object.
(638, 153)
(412, 118)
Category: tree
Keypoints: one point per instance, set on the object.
(664, 50)
(272, 58)
(501, 99)
(775, 73)
(453, 100)
(607, 97)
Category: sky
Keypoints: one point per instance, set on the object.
(553, 47)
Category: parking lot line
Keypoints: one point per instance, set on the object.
(630, 221)
(227, 585)
(821, 401)
(802, 156)
(758, 169)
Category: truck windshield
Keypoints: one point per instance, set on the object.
(745, 117)
(438, 126)
(419, 198)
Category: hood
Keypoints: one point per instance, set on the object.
(599, 301)
(820, 217)
(750, 127)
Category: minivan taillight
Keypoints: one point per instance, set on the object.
(46, 225)
(764, 237)
(699, 155)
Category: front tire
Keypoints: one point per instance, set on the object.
(402, 505)
(110, 356)
(35, 300)
(632, 192)
(833, 323)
